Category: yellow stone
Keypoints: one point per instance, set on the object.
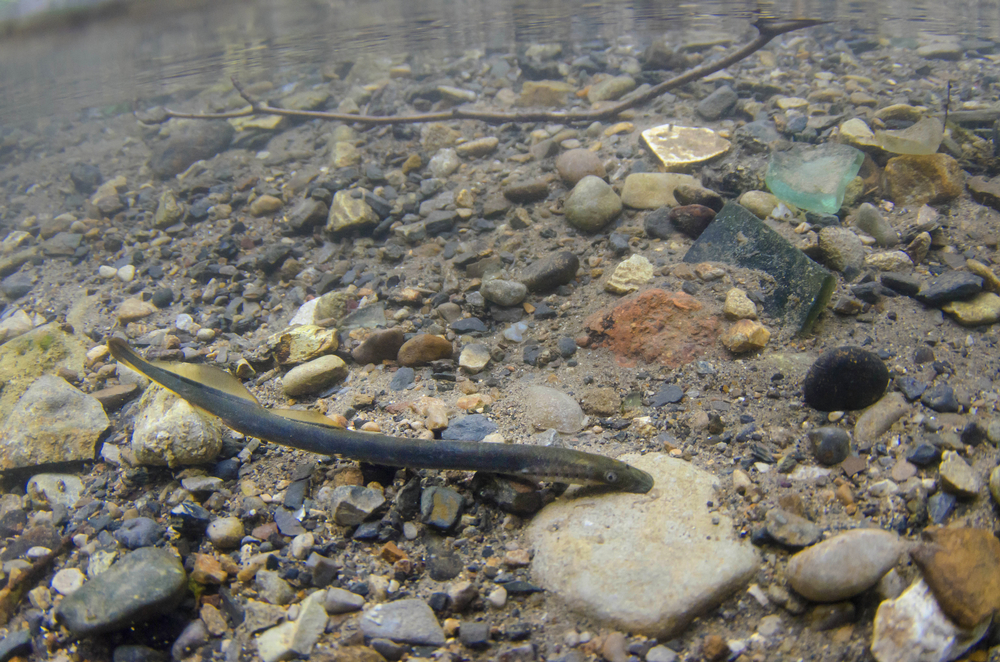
(787, 103)
(856, 133)
(345, 154)
(629, 275)
(620, 127)
(984, 308)
(745, 335)
(302, 343)
(465, 199)
(680, 147)
(544, 93)
(265, 122)
(990, 280)
(411, 163)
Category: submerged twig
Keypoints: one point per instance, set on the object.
(767, 30)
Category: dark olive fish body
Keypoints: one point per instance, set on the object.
(535, 462)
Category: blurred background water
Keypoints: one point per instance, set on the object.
(59, 56)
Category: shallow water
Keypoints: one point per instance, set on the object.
(105, 57)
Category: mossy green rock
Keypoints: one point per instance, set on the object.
(27, 357)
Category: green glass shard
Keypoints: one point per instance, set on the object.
(814, 177)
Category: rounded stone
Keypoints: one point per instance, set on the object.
(503, 292)
(550, 272)
(691, 220)
(314, 375)
(380, 346)
(592, 204)
(844, 379)
(68, 580)
(265, 204)
(738, 305)
(845, 565)
(575, 164)
(830, 445)
(225, 532)
(841, 248)
(423, 349)
(760, 203)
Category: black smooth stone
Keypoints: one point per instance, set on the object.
(940, 506)
(469, 325)
(940, 398)
(949, 286)
(903, 284)
(844, 379)
(668, 395)
(657, 224)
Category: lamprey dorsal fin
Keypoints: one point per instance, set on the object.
(209, 376)
(307, 416)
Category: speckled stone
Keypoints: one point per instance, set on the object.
(845, 565)
(592, 204)
(845, 378)
(958, 477)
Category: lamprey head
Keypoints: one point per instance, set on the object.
(625, 478)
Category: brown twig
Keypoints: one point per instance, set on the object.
(16, 587)
(766, 31)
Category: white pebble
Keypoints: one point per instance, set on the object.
(205, 335)
(104, 271)
(184, 322)
(126, 273)
(68, 580)
(410, 531)
(35, 553)
(301, 545)
(498, 598)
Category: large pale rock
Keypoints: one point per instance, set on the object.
(169, 431)
(302, 343)
(652, 190)
(845, 565)
(912, 628)
(52, 422)
(648, 563)
(348, 213)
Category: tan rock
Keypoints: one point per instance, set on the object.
(423, 349)
(923, 179)
(984, 308)
(738, 305)
(264, 205)
(478, 148)
(348, 213)
(680, 147)
(652, 190)
(962, 568)
(133, 309)
(314, 375)
(545, 93)
(744, 336)
(171, 432)
(629, 275)
(302, 343)
(845, 565)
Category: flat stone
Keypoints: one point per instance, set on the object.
(188, 141)
(525, 191)
(984, 308)
(132, 310)
(295, 639)
(549, 272)
(653, 563)
(801, 288)
(962, 567)
(440, 507)
(348, 214)
(845, 565)
(790, 529)
(923, 137)
(143, 584)
(171, 432)
(680, 147)
(610, 89)
(912, 628)
(958, 477)
(315, 375)
(717, 104)
(478, 148)
(350, 505)
(53, 422)
(878, 418)
(408, 621)
(949, 286)
(341, 601)
(302, 343)
(985, 191)
(474, 358)
(382, 345)
(503, 292)
(47, 491)
(629, 275)
(652, 190)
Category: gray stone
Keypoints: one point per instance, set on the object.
(551, 271)
(949, 286)
(551, 409)
(295, 639)
(143, 584)
(845, 565)
(842, 249)
(350, 505)
(503, 292)
(306, 215)
(189, 141)
(440, 507)
(575, 164)
(348, 214)
(342, 601)
(314, 375)
(958, 477)
(52, 422)
(272, 588)
(409, 621)
(225, 532)
(382, 345)
(718, 103)
(474, 358)
(790, 529)
(592, 204)
(868, 219)
(653, 562)
(50, 490)
(610, 89)
(877, 419)
(139, 532)
(830, 444)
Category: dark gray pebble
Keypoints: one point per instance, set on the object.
(228, 469)
(543, 311)
(469, 325)
(845, 378)
(830, 445)
(566, 346)
(520, 587)
(657, 224)
(473, 427)
(193, 636)
(669, 394)
(137, 653)
(16, 285)
(389, 649)
(901, 283)
(691, 220)
(940, 506)
(718, 103)
(143, 584)
(551, 271)
(949, 286)
(442, 561)
(474, 634)
(911, 387)
(163, 297)
(286, 522)
(86, 177)
(511, 495)
(924, 455)
(139, 532)
(190, 143)
(401, 379)
(17, 642)
(923, 354)
(940, 398)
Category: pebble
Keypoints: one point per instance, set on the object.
(982, 309)
(940, 398)
(422, 349)
(401, 379)
(68, 581)
(657, 224)
(746, 335)
(341, 601)
(830, 445)
(912, 628)
(760, 203)
(738, 305)
(869, 219)
(225, 532)
(691, 220)
(591, 205)
(949, 286)
(409, 621)
(444, 163)
(878, 419)
(790, 529)
(382, 345)
(958, 477)
(575, 164)
(629, 275)
(717, 104)
(845, 565)
(549, 272)
(940, 506)
(47, 491)
(842, 249)
(474, 427)
(962, 567)
(350, 505)
(140, 586)
(650, 569)
(652, 190)
(295, 639)
(187, 143)
(312, 376)
(440, 507)
(474, 358)
(525, 191)
(503, 292)
(132, 310)
(551, 409)
(844, 379)
(478, 148)
(272, 588)
(923, 179)
(139, 532)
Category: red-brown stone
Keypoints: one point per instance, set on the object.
(655, 326)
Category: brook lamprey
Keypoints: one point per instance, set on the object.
(222, 395)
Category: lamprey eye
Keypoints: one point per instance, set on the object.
(611, 477)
